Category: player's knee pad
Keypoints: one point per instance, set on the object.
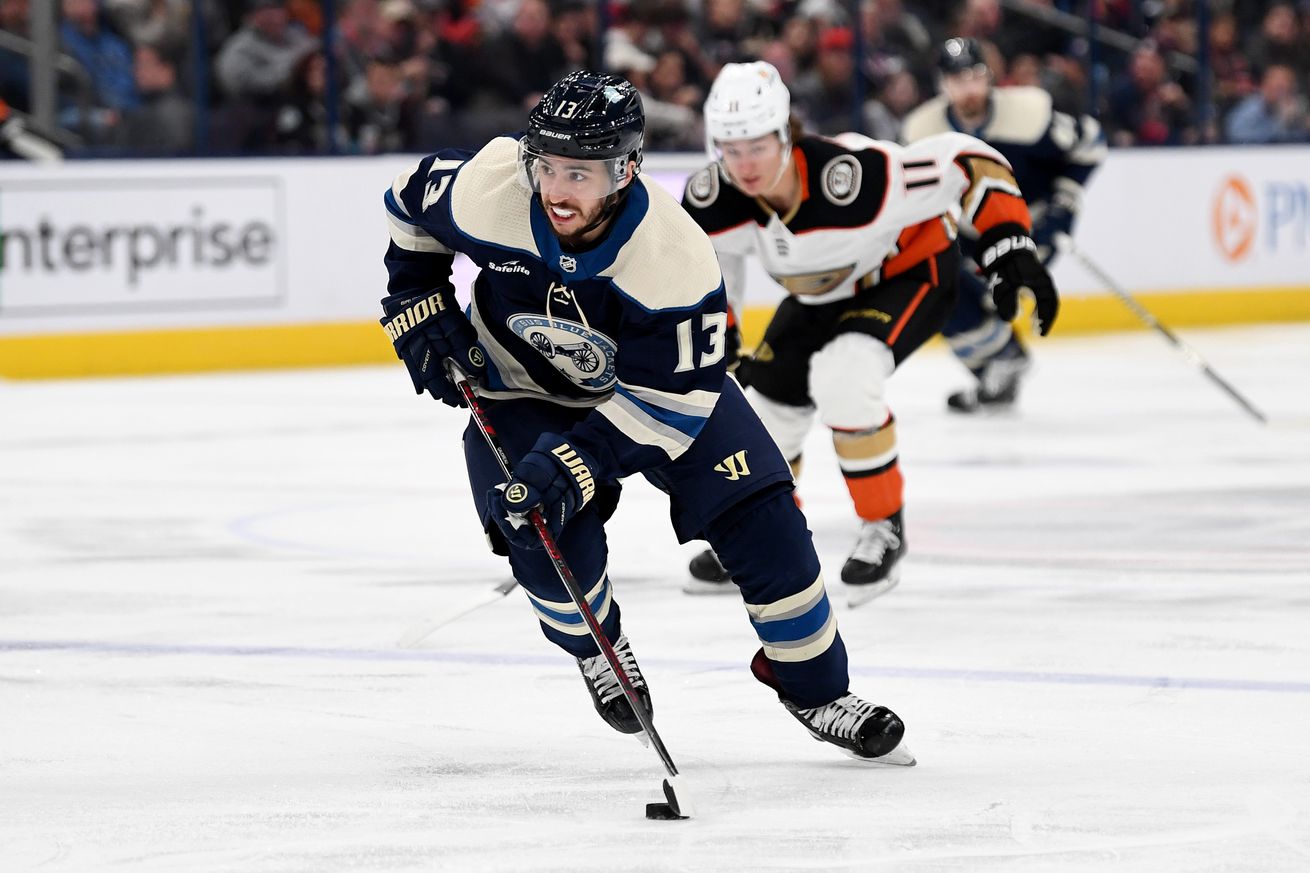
(848, 381)
(786, 424)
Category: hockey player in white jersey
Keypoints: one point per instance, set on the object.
(596, 361)
(1053, 154)
(861, 234)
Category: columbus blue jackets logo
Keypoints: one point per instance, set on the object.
(583, 355)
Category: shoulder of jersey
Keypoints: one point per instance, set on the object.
(668, 263)
(926, 119)
(488, 203)
(847, 181)
(1021, 114)
(715, 205)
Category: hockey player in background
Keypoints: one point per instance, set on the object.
(597, 361)
(861, 234)
(1053, 154)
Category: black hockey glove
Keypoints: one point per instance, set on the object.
(426, 329)
(1008, 257)
(554, 477)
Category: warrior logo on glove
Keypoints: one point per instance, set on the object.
(516, 493)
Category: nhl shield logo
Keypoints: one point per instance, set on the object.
(568, 264)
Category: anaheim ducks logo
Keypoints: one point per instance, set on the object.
(1234, 219)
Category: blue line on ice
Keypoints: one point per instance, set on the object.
(1194, 683)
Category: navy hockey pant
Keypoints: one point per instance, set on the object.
(745, 510)
(973, 331)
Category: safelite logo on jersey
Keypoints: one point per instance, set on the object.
(1271, 217)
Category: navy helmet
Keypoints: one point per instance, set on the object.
(960, 54)
(589, 115)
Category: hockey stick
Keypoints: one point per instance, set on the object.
(426, 628)
(1065, 243)
(678, 805)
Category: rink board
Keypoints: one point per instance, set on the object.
(174, 266)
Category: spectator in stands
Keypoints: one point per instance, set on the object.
(15, 67)
(1232, 71)
(302, 123)
(824, 96)
(163, 24)
(730, 30)
(883, 116)
(164, 122)
(1147, 108)
(574, 28)
(1277, 41)
(256, 72)
(1275, 113)
(108, 61)
(979, 19)
(526, 60)
(382, 115)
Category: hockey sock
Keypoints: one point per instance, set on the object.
(868, 461)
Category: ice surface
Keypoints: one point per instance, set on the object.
(1101, 643)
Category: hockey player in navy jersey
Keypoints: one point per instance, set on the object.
(595, 336)
(861, 234)
(1053, 155)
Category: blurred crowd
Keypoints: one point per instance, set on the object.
(415, 75)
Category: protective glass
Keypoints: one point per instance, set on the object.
(563, 178)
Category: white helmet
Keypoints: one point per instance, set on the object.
(745, 102)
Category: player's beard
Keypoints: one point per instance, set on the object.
(586, 220)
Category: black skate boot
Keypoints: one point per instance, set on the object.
(998, 382)
(864, 731)
(874, 568)
(708, 576)
(606, 692)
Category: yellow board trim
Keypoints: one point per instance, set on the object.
(193, 350)
(1106, 313)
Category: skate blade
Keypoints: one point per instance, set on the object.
(858, 595)
(700, 587)
(901, 756)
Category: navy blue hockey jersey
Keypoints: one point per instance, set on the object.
(633, 326)
(1053, 153)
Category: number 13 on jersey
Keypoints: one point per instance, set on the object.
(713, 323)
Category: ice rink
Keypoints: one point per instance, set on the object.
(1100, 646)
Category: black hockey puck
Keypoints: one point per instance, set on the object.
(662, 812)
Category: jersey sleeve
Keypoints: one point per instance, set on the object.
(1080, 145)
(670, 370)
(423, 236)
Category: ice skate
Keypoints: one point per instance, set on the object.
(863, 730)
(874, 568)
(606, 692)
(998, 383)
(708, 576)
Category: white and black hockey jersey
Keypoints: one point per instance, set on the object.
(633, 326)
(1052, 153)
(869, 210)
